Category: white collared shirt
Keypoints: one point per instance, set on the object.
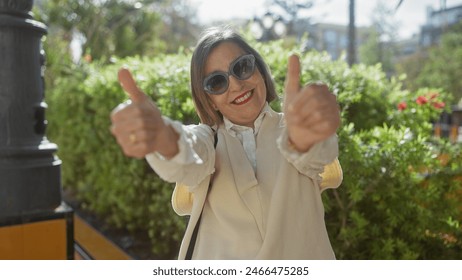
(247, 135)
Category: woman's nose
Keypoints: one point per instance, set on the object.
(235, 84)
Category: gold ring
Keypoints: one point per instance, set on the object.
(132, 137)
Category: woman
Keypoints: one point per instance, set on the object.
(254, 174)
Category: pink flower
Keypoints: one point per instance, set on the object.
(402, 105)
(438, 104)
(421, 100)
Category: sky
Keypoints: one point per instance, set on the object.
(410, 16)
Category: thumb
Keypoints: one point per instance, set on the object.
(292, 83)
(129, 85)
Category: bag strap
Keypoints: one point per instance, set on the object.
(192, 242)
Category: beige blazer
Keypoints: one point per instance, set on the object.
(287, 207)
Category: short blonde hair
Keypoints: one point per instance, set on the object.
(210, 39)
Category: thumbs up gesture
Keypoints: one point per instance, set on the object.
(137, 124)
(311, 112)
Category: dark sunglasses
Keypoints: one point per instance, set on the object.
(241, 68)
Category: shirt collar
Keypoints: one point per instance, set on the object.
(233, 128)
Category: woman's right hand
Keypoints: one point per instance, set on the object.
(137, 124)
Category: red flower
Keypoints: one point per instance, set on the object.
(438, 104)
(402, 105)
(421, 100)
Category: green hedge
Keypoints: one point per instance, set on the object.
(397, 200)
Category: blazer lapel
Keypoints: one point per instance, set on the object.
(245, 179)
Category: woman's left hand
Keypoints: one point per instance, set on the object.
(311, 112)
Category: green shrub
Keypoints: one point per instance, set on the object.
(393, 198)
(396, 201)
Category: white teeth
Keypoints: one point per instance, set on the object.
(243, 98)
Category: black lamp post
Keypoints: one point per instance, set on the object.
(34, 223)
(29, 171)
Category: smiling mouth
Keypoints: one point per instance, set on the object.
(243, 98)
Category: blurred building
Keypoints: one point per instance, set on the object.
(332, 38)
(437, 22)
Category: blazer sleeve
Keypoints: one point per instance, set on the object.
(195, 159)
(313, 163)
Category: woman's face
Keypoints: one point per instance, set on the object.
(243, 101)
